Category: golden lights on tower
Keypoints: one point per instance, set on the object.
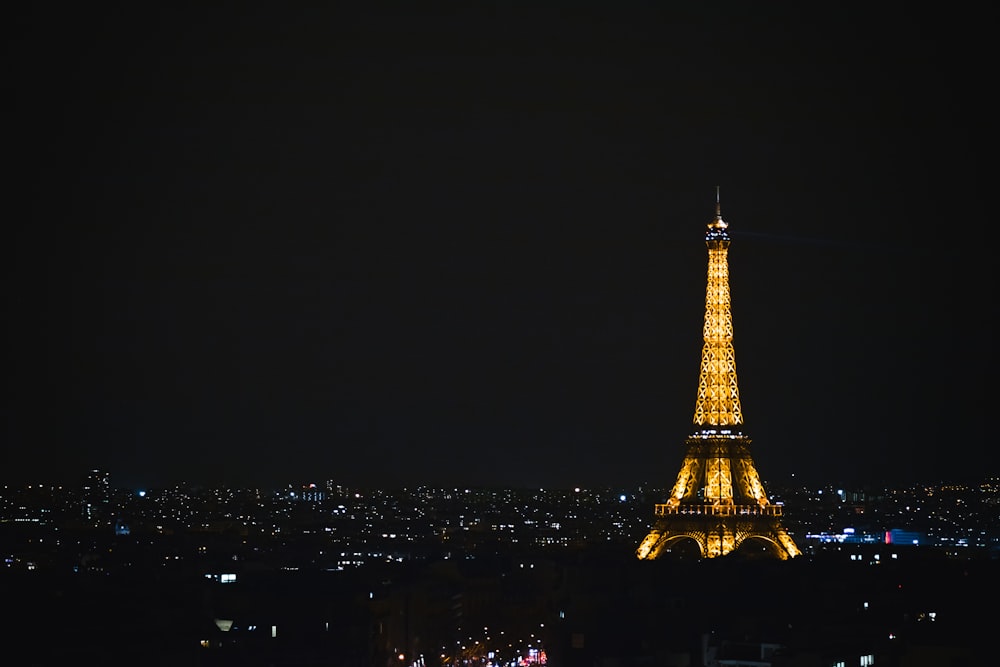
(717, 500)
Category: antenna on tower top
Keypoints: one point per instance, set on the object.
(718, 225)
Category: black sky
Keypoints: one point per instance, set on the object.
(465, 246)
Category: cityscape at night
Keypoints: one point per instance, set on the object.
(324, 574)
(350, 336)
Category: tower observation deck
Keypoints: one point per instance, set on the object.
(718, 500)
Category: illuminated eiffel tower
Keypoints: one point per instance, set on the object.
(718, 499)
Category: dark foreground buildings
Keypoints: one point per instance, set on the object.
(326, 575)
(242, 591)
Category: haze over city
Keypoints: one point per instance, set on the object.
(466, 246)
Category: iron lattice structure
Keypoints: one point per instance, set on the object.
(718, 499)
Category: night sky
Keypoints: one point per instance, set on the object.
(466, 246)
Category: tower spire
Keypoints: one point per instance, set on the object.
(718, 401)
(717, 228)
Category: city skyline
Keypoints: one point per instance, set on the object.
(467, 248)
(237, 574)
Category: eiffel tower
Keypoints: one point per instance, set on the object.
(718, 499)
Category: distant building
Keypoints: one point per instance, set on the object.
(96, 497)
(905, 537)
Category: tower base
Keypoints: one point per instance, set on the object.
(718, 531)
